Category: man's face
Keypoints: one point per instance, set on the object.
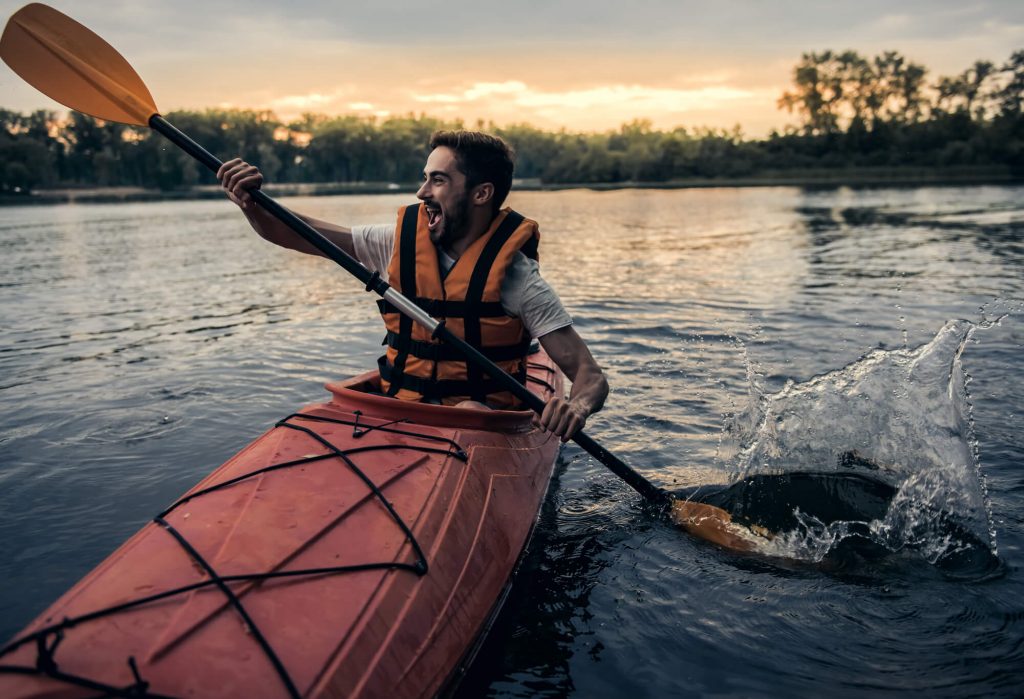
(445, 196)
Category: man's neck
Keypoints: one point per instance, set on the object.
(479, 223)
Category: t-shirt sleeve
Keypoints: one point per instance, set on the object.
(525, 295)
(373, 246)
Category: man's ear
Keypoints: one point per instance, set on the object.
(483, 193)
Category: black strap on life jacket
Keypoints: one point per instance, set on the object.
(471, 310)
(407, 261)
(440, 352)
(475, 295)
(444, 388)
(439, 308)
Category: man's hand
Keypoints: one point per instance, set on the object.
(238, 177)
(589, 387)
(563, 417)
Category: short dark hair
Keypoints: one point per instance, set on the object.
(481, 158)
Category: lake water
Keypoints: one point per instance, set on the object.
(752, 337)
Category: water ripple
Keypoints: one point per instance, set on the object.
(143, 344)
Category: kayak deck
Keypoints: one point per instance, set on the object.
(357, 548)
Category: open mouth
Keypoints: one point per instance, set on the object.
(433, 217)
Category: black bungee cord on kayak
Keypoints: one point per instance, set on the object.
(49, 638)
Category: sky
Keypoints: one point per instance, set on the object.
(574, 64)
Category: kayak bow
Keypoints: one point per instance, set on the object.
(356, 549)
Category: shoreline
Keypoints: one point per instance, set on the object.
(815, 179)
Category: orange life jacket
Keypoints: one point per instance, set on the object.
(468, 299)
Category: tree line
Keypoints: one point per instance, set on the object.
(854, 111)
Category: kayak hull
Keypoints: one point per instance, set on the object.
(356, 549)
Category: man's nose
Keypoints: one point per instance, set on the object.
(424, 191)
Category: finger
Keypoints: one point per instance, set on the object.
(237, 175)
(251, 181)
(580, 419)
(245, 185)
(544, 419)
(576, 423)
(554, 414)
(562, 428)
(230, 169)
(569, 427)
(224, 167)
(549, 417)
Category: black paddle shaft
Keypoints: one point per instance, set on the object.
(374, 283)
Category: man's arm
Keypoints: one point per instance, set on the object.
(238, 177)
(589, 386)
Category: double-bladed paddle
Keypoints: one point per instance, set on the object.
(71, 64)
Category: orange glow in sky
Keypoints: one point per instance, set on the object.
(582, 66)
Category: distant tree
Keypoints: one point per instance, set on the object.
(535, 148)
(854, 111)
(401, 146)
(340, 149)
(951, 95)
(1010, 96)
(818, 93)
(29, 152)
(94, 150)
(24, 164)
(974, 79)
(832, 90)
(898, 88)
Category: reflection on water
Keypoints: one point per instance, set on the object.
(753, 338)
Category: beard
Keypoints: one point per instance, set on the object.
(456, 220)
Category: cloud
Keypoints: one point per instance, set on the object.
(440, 98)
(672, 61)
(369, 109)
(308, 102)
(509, 87)
(639, 98)
(689, 101)
(893, 22)
(476, 92)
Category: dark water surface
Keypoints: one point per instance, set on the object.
(751, 336)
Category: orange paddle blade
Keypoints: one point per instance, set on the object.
(711, 524)
(68, 62)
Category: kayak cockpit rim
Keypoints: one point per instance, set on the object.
(362, 393)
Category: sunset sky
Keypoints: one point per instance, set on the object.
(559, 63)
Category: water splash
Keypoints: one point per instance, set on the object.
(899, 418)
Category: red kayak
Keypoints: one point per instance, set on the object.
(359, 548)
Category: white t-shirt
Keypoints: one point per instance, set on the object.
(524, 293)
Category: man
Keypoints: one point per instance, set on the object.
(465, 181)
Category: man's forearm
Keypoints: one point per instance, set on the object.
(240, 179)
(270, 228)
(589, 389)
(589, 386)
